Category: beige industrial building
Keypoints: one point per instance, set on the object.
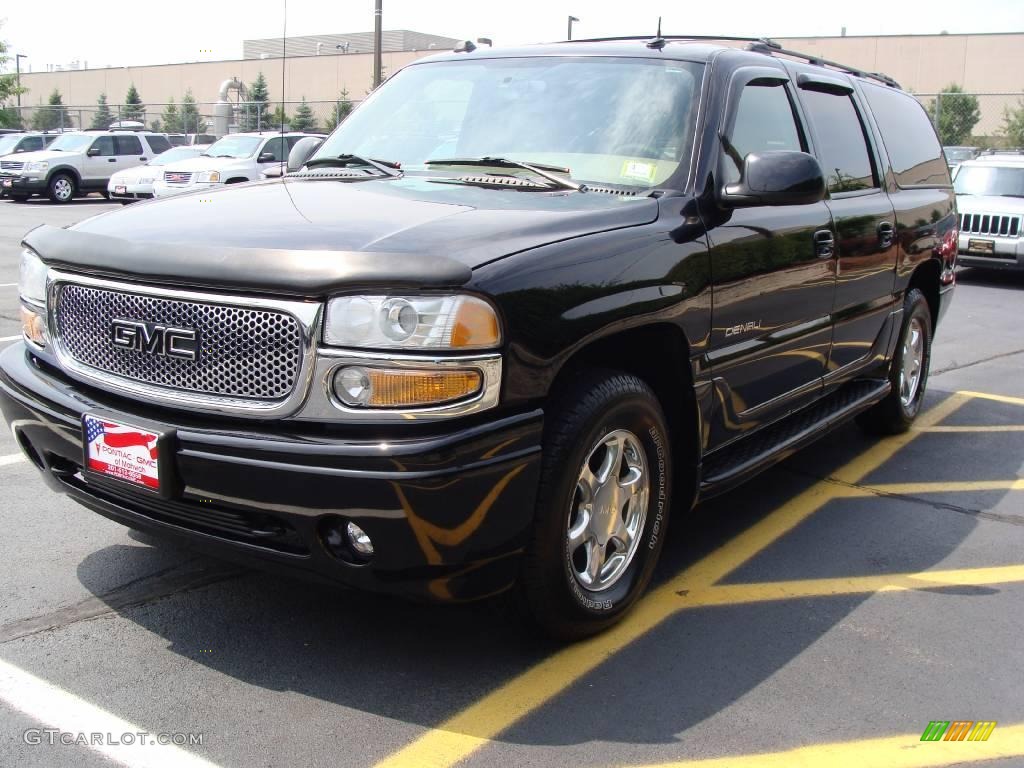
(925, 64)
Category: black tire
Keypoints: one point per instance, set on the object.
(598, 405)
(892, 415)
(105, 193)
(61, 188)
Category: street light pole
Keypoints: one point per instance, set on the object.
(17, 76)
(571, 20)
(377, 39)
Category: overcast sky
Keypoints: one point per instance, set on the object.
(120, 34)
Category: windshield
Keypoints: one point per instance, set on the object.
(234, 146)
(174, 155)
(990, 180)
(8, 143)
(609, 120)
(71, 142)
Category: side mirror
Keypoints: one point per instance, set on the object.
(776, 178)
(273, 172)
(302, 151)
(266, 157)
(93, 152)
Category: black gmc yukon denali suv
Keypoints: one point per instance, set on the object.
(520, 309)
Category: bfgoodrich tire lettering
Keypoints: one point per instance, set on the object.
(601, 406)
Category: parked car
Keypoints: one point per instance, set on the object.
(990, 199)
(522, 309)
(16, 143)
(233, 159)
(80, 162)
(136, 183)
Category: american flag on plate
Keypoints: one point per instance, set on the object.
(121, 451)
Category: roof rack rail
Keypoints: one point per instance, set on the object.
(772, 48)
(764, 40)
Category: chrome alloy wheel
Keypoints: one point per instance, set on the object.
(913, 361)
(608, 511)
(63, 189)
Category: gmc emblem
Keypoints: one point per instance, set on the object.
(181, 343)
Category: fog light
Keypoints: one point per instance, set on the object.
(358, 540)
(355, 385)
(33, 326)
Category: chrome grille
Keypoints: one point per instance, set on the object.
(244, 352)
(994, 224)
(10, 165)
(177, 177)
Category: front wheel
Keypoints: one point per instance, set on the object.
(61, 188)
(908, 372)
(602, 509)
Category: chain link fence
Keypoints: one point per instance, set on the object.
(983, 120)
(208, 118)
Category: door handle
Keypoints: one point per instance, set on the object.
(824, 244)
(886, 234)
(142, 159)
(111, 159)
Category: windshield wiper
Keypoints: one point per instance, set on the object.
(387, 167)
(541, 169)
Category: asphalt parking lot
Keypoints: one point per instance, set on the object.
(822, 615)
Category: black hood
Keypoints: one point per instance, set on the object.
(314, 235)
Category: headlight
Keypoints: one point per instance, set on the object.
(33, 167)
(411, 322)
(32, 279)
(208, 177)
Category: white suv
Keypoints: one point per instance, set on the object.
(80, 162)
(235, 158)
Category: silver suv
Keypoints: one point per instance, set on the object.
(990, 199)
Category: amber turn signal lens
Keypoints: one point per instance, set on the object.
(33, 326)
(475, 326)
(393, 388)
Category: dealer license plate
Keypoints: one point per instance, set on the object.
(122, 451)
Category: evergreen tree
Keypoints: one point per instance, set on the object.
(134, 109)
(191, 120)
(1013, 124)
(279, 119)
(9, 117)
(171, 118)
(54, 115)
(103, 117)
(304, 119)
(341, 109)
(256, 114)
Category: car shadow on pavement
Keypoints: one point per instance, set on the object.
(991, 278)
(422, 663)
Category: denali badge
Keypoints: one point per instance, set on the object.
(155, 339)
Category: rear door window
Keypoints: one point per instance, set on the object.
(910, 140)
(764, 122)
(129, 145)
(158, 144)
(841, 144)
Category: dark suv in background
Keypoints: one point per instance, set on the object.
(518, 311)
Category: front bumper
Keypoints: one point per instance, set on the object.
(131, 191)
(448, 510)
(1006, 253)
(170, 190)
(22, 185)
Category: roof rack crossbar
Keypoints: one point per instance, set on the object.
(820, 62)
(764, 40)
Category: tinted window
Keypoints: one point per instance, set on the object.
(839, 135)
(105, 144)
(275, 147)
(129, 145)
(158, 144)
(909, 138)
(31, 144)
(764, 122)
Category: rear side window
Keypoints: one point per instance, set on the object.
(909, 138)
(839, 134)
(764, 122)
(158, 144)
(129, 145)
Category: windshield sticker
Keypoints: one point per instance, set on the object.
(638, 169)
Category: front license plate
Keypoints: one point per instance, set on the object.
(120, 190)
(122, 451)
(981, 246)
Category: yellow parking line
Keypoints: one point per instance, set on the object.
(978, 428)
(906, 751)
(959, 486)
(733, 594)
(467, 731)
(996, 398)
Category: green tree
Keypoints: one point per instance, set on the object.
(170, 117)
(103, 117)
(9, 117)
(1013, 124)
(279, 119)
(339, 111)
(53, 115)
(256, 115)
(133, 109)
(154, 125)
(954, 114)
(304, 119)
(191, 120)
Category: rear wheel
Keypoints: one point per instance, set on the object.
(602, 507)
(908, 372)
(61, 188)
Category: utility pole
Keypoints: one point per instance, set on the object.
(569, 34)
(377, 40)
(17, 76)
